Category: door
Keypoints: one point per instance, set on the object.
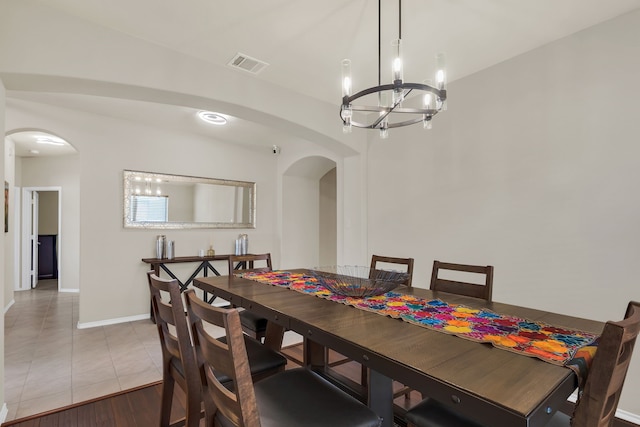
(32, 204)
(34, 239)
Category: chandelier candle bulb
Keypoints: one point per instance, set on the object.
(346, 77)
(396, 69)
(429, 99)
(384, 132)
(346, 92)
(397, 62)
(441, 73)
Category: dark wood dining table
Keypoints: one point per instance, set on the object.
(494, 386)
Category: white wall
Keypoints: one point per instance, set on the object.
(110, 272)
(534, 169)
(48, 212)
(3, 285)
(10, 236)
(328, 217)
(301, 197)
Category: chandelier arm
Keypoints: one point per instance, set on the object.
(390, 110)
(389, 126)
(404, 110)
(380, 118)
(442, 94)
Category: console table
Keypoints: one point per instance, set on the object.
(203, 266)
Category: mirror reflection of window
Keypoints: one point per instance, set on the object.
(149, 208)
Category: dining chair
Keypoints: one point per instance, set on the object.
(477, 290)
(466, 288)
(598, 401)
(179, 363)
(252, 324)
(295, 397)
(178, 358)
(379, 262)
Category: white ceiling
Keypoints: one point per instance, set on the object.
(303, 42)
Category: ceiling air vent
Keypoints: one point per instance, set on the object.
(247, 63)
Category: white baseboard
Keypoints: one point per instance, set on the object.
(112, 321)
(59, 290)
(8, 306)
(628, 416)
(3, 413)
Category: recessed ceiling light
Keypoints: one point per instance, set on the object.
(213, 118)
(34, 151)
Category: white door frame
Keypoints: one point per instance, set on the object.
(25, 282)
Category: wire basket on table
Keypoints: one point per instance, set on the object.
(357, 281)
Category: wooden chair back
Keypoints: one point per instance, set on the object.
(476, 290)
(408, 262)
(246, 262)
(599, 401)
(237, 402)
(179, 362)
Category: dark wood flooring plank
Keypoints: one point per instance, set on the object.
(31, 423)
(86, 415)
(123, 414)
(140, 408)
(104, 413)
(68, 418)
(50, 420)
(145, 407)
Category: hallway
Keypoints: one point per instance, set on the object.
(50, 363)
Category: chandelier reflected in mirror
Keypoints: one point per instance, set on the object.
(398, 103)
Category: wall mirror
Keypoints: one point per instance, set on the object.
(156, 200)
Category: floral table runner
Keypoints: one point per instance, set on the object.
(560, 346)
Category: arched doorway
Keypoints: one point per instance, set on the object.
(309, 214)
(38, 235)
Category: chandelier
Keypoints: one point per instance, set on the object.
(397, 104)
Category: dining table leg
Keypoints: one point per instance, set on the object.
(313, 354)
(379, 390)
(380, 396)
(274, 336)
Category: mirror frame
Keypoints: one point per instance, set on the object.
(129, 179)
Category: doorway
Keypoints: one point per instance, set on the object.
(309, 213)
(41, 235)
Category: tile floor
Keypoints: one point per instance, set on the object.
(50, 363)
